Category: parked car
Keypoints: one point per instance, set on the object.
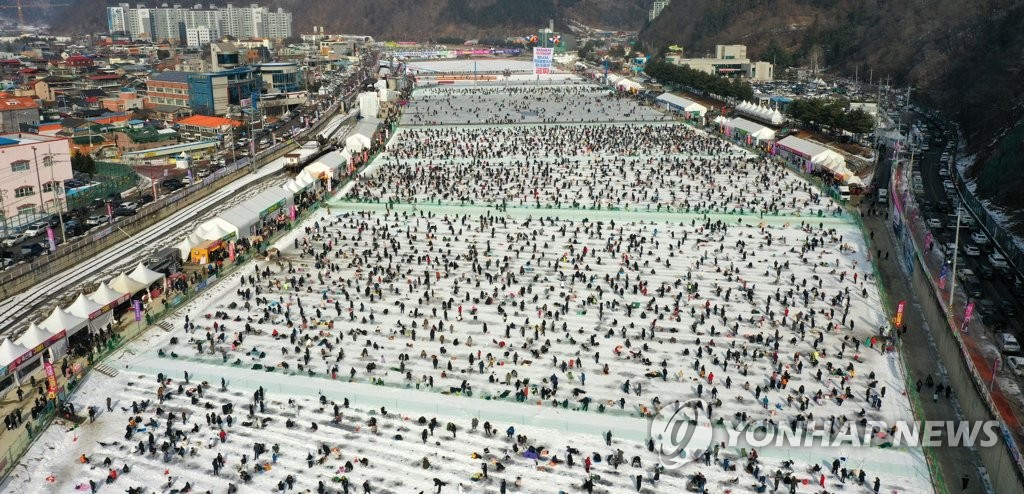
(972, 250)
(131, 205)
(986, 272)
(99, 219)
(171, 183)
(13, 239)
(146, 198)
(1008, 343)
(37, 228)
(123, 211)
(998, 261)
(73, 228)
(934, 223)
(1015, 364)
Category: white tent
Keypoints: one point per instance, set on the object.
(62, 320)
(86, 308)
(185, 246)
(105, 296)
(33, 336)
(10, 351)
(216, 229)
(124, 284)
(679, 104)
(817, 154)
(318, 169)
(756, 131)
(357, 142)
(144, 275)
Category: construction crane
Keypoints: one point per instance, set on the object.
(20, 6)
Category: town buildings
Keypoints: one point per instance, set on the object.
(197, 25)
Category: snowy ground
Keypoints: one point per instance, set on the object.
(571, 101)
(449, 311)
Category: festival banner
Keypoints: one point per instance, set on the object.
(51, 239)
(968, 312)
(899, 313)
(137, 306)
(542, 60)
(51, 380)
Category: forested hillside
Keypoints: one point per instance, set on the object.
(964, 57)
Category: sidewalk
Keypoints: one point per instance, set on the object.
(920, 361)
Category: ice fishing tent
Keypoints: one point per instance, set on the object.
(813, 155)
(679, 104)
(625, 84)
(742, 128)
(146, 276)
(124, 284)
(86, 308)
(62, 320)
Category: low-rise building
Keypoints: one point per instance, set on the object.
(137, 139)
(32, 173)
(16, 112)
(203, 127)
(167, 88)
(729, 61)
(214, 93)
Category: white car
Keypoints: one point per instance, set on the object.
(37, 228)
(99, 219)
(12, 239)
(131, 205)
(1015, 364)
(979, 238)
(947, 184)
(972, 250)
(934, 223)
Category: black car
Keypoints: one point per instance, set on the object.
(986, 272)
(119, 211)
(172, 183)
(146, 198)
(73, 228)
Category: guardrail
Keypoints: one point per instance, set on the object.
(902, 204)
(1002, 238)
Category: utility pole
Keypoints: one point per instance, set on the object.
(56, 197)
(956, 250)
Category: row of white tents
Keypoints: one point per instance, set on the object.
(238, 221)
(741, 128)
(93, 311)
(764, 114)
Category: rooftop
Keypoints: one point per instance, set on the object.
(171, 76)
(21, 139)
(17, 103)
(210, 122)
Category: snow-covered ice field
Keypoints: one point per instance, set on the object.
(561, 323)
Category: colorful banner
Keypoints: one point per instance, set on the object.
(899, 313)
(542, 60)
(231, 251)
(51, 380)
(943, 274)
(110, 212)
(137, 305)
(968, 312)
(51, 239)
(291, 212)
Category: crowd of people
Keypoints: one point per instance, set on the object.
(524, 103)
(763, 321)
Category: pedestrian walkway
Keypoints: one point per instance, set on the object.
(920, 361)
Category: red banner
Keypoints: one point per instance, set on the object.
(899, 313)
(51, 380)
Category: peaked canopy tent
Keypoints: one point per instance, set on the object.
(362, 135)
(37, 339)
(91, 311)
(679, 104)
(108, 298)
(185, 246)
(765, 114)
(12, 356)
(123, 283)
(62, 320)
(739, 127)
(146, 276)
